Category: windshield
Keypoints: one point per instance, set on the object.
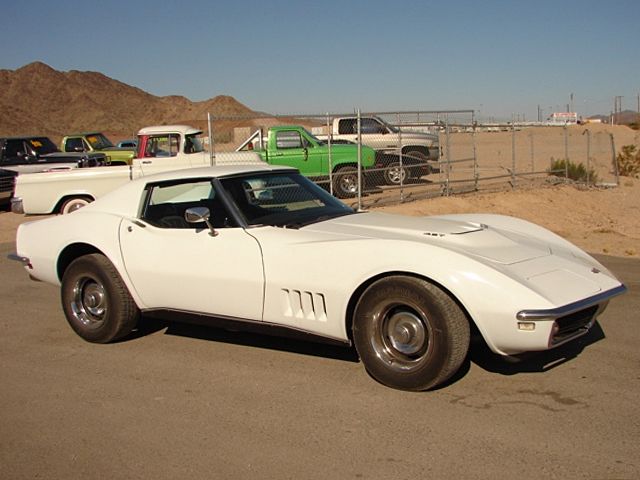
(390, 127)
(98, 141)
(42, 145)
(283, 199)
(193, 144)
(313, 137)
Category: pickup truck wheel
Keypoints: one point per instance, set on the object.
(409, 333)
(394, 174)
(73, 204)
(345, 182)
(96, 301)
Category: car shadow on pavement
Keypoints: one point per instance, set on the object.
(532, 362)
(249, 339)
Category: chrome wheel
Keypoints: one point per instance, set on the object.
(400, 337)
(395, 174)
(89, 304)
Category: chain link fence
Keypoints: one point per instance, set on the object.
(389, 157)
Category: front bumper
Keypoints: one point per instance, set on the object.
(17, 205)
(563, 324)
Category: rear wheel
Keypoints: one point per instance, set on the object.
(96, 301)
(409, 333)
(74, 203)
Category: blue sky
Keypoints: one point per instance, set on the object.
(501, 58)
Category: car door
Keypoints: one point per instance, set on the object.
(294, 150)
(180, 266)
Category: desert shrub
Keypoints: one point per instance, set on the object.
(574, 171)
(629, 161)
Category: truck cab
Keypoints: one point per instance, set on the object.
(97, 142)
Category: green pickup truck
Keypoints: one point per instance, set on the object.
(296, 147)
(97, 142)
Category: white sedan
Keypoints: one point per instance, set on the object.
(251, 246)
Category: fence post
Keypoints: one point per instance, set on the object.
(533, 161)
(475, 158)
(359, 163)
(566, 153)
(513, 153)
(400, 159)
(613, 157)
(446, 181)
(588, 132)
(329, 138)
(212, 157)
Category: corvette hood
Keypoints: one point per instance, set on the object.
(497, 245)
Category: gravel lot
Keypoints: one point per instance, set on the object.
(177, 401)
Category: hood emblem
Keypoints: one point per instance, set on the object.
(595, 270)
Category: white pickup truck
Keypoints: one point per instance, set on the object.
(162, 148)
(417, 151)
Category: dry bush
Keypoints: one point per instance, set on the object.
(629, 161)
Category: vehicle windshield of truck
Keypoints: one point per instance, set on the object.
(283, 199)
(313, 137)
(98, 141)
(42, 145)
(193, 144)
(391, 128)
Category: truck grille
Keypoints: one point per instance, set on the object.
(6, 183)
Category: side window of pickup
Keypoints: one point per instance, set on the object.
(347, 126)
(162, 145)
(74, 145)
(14, 149)
(370, 125)
(288, 139)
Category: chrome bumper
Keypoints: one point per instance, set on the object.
(16, 205)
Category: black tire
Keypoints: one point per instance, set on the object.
(72, 204)
(394, 174)
(409, 333)
(345, 182)
(96, 301)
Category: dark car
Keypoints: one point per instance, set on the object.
(7, 180)
(38, 154)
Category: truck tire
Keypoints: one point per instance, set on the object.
(345, 182)
(74, 203)
(394, 174)
(409, 333)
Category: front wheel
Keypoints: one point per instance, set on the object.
(409, 333)
(96, 301)
(345, 182)
(395, 174)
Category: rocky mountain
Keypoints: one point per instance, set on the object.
(37, 99)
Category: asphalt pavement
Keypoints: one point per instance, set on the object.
(177, 401)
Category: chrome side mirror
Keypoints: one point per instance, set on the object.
(198, 215)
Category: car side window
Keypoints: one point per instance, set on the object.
(166, 204)
(288, 139)
(13, 148)
(162, 146)
(347, 126)
(74, 145)
(370, 125)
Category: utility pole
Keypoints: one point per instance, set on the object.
(617, 108)
(571, 97)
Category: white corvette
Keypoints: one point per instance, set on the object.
(263, 246)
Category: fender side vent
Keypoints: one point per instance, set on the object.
(304, 305)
